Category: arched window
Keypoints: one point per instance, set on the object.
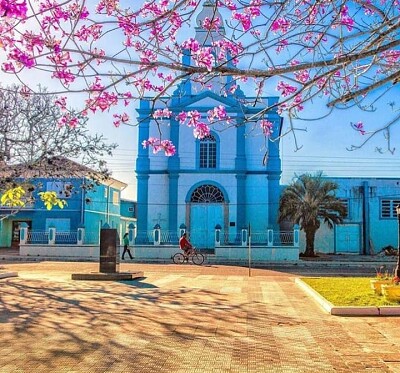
(208, 152)
(207, 194)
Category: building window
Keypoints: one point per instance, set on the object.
(388, 208)
(208, 152)
(207, 194)
(115, 198)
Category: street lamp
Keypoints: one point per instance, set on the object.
(398, 240)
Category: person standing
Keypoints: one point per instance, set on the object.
(126, 247)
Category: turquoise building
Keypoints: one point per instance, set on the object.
(225, 181)
(89, 208)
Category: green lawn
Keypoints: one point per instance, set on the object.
(348, 291)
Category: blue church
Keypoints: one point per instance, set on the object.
(226, 181)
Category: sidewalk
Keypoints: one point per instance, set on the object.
(181, 319)
(322, 259)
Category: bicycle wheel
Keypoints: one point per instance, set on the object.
(198, 259)
(178, 258)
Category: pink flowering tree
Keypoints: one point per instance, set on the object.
(337, 53)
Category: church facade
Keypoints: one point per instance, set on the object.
(226, 181)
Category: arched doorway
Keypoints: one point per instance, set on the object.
(207, 209)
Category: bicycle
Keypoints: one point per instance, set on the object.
(196, 257)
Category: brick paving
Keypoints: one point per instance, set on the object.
(179, 319)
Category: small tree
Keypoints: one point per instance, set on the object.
(33, 143)
(307, 201)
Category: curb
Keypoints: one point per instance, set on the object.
(347, 310)
(8, 274)
(208, 260)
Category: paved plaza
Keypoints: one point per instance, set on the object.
(181, 319)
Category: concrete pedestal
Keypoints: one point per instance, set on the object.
(99, 276)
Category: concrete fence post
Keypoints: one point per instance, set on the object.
(244, 237)
(23, 234)
(52, 236)
(157, 235)
(270, 237)
(81, 236)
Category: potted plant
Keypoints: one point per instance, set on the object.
(392, 291)
(382, 278)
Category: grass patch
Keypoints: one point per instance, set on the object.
(348, 291)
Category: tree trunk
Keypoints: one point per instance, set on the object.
(310, 238)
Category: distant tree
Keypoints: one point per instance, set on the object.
(340, 53)
(307, 201)
(33, 143)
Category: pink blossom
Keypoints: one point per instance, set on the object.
(191, 44)
(129, 25)
(298, 102)
(93, 32)
(194, 118)
(243, 18)
(344, 19)
(266, 127)
(348, 22)
(359, 126)
(61, 102)
(33, 41)
(168, 147)
(68, 120)
(392, 57)
(254, 9)
(8, 67)
(60, 59)
(158, 145)
(211, 24)
(227, 3)
(302, 76)
(218, 113)
(281, 46)
(65, 76)
(120, 118)
(102, 101)
(149, 142)
(285, 88)
(205, 58)
(281, 25)
(162, 113)
(201, 130)
(230, 48)
(13, 9)
(181, 117)
(148, 56)
(233, 88)
(108, 5)
(25, 92)
(76, 10)
(22, 58)
(127, 97)
(157, 33)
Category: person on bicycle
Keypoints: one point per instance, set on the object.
(185, 245)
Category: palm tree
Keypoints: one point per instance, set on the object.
(307, 201)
